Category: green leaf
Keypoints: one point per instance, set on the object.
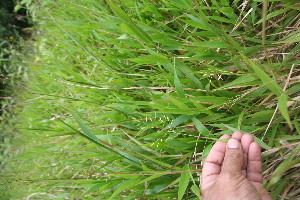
(124, 186)
(186, 4)
(179, 120)
(214, 44)
(189, 73)
(196, 24)
(150, 59)
(85, 129)
(173, 183)
(282, 105)
(240, 80)
(127, 20)
(273, 14)
(195, 189)
(287, 164)
(266, 79)
(201, 107)
(155, 160)
(272, 85)
(232, 42)
(178, 111)
(296, 137)
(183, 182)
(222, 19)
(90, 136)
(206, 151)
(17, 8)
(177, 84)
(150, 178)
(178, 103)
(93, 188)
(208, 57)
(200, 127)
(211, 99)
(62, 196)
(261, 143)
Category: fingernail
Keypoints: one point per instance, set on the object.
(233, 144)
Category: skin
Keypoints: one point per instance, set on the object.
(233, 170)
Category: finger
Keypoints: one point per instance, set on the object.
(237, 135)
(214, 160)
(233, 161)
(246, 140)
(212, 164)
(254, 166)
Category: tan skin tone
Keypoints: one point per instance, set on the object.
(233, 170)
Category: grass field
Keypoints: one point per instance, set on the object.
(125, 98)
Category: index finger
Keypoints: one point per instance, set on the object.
(212, 164)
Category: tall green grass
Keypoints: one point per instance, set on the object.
(126, 98)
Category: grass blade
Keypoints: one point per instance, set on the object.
(195, 189)
(264, 77)
(126, 19)
(177, 83)
(200, 127)
(179, 120)
(124, 186)
(183, 182)
(283, 108)
(90, 136)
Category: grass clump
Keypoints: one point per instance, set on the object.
(126, 98)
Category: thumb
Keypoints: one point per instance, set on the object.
(233, 161)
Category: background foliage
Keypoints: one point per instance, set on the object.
(126, 98)
(13, 31)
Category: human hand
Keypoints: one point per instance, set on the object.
(233, 170)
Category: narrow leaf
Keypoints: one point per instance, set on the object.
(214, 44)
(179, 120)
(261, 143)
(126, 19)
(239, 81)
(183, 182)
(200, 127)
(124, 186)
(282, 105)
(177, 84)
(273, 14)
(195, 189)
(150, 59)
(265, 78)
(178, 103)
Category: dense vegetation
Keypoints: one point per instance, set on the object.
(14, 30)
(126, 97)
